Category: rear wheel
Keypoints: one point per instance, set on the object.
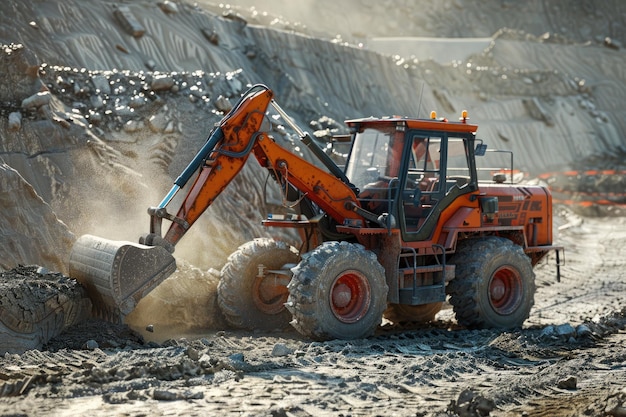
(404, 313)
(338, 291)
(494, 284)
(249, 299)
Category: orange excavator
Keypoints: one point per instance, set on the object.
(402, 226)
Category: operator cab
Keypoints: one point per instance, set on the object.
(431, 163)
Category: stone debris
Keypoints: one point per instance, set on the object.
(162, 83)
(170, 127)
(37, 100)
(223, 104)
(101, 84)
(96, 102)
(129, 22)
(565, 331)
(163, 395)
(137, 101)
(151, 64)
(235, 17)
(280, 349)
(127, 101)
(567, 383)
(616, 405)
(168, 7)
(538, 111)
(472, 404)
(612, 43)
(15, 121)
(157, 123)
(121, 48)
(211, 36)
(91, 344)
(133, 126)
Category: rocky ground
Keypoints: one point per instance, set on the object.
(567, 361)
(96, 118)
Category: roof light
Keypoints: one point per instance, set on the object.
(464, 116)
(433, 115)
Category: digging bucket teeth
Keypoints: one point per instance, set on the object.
(117, 274)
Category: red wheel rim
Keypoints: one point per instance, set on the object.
(269, 297)
(505, 290)
(350, 296)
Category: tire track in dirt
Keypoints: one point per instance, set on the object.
(591, 277)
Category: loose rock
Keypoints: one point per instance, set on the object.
(568, 383)
(36, 100)
(15, 121)
(162, 83)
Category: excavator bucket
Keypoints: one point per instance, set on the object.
(117, 274)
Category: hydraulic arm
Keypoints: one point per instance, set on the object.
(223, 156)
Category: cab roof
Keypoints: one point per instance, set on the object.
(440, 125)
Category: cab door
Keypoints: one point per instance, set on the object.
(436, 170)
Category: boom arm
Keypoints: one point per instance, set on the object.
(224, 155)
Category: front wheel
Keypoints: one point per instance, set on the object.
(249, 299)
(338, 291)
(494, 284)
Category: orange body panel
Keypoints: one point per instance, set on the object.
(523, 209)
(328, 192)
(529, 207)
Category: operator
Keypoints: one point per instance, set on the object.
(375, 195)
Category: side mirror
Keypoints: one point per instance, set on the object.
(481, 149)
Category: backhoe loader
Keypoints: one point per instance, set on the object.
(401, 227)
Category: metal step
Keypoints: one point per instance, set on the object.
(423, 295)
(449, 274)
(421, 269)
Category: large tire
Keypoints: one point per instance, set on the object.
(36, 305)
(494, 284)
(338, 291)
(247, 301)
(404, 313)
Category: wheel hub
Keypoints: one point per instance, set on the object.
(269, 295)
(497, 290)
(505, 290)
(350, 296)
(341, 295)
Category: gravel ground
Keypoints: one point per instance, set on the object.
(568, 360)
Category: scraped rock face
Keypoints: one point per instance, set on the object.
(29, 227)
